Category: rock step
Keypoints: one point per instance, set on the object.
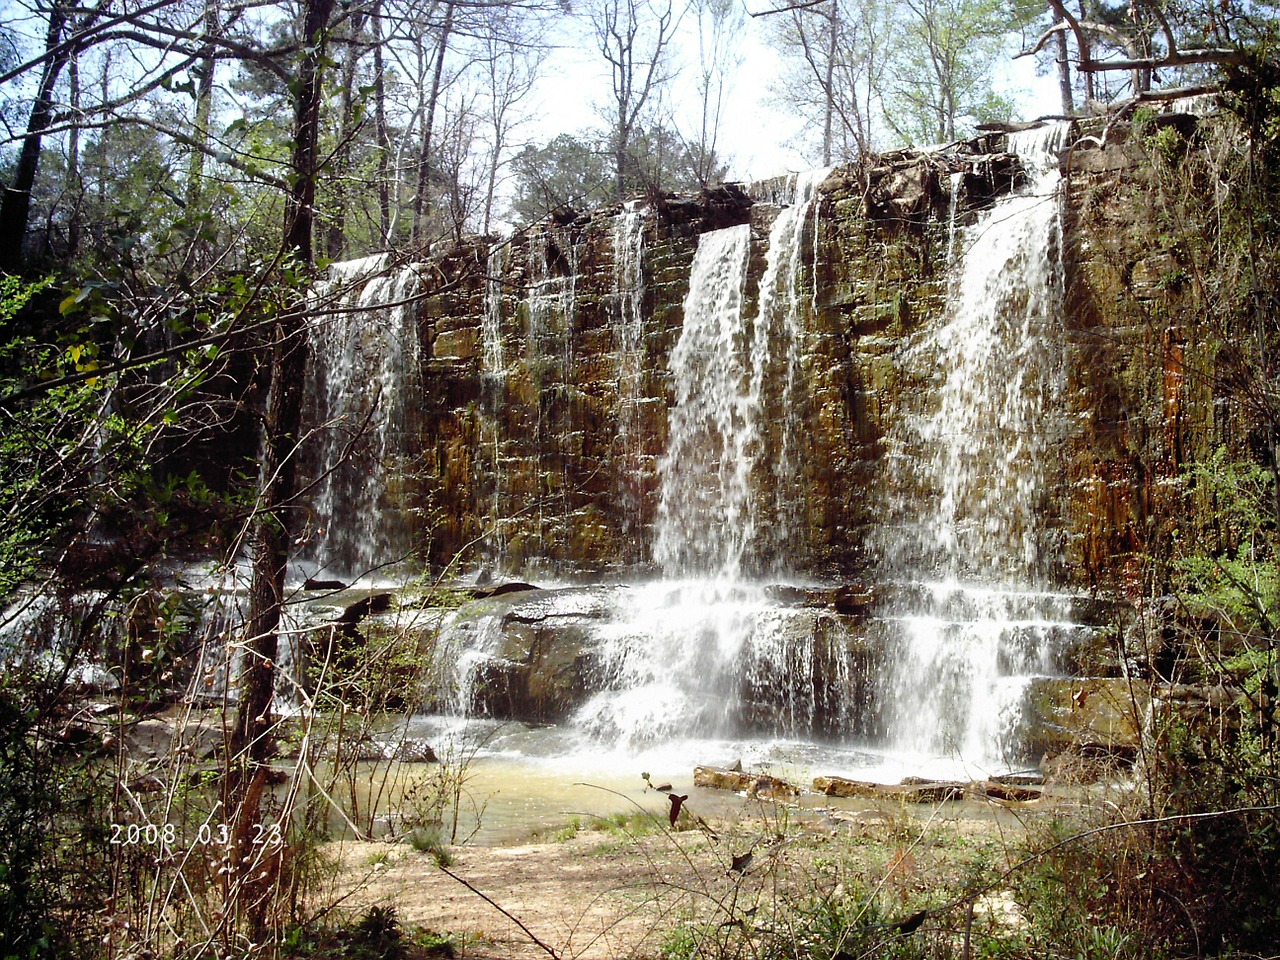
(911, 790)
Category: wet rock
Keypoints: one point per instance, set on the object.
(195, 737)
(502, 589)
(543, 665)
(314, 583)
(844, 787)
(373, 748)
(414, 750)
(1009, 792)
(922, 790)
(919, 790)
(1099, 716)
(760, 785)
(461, 344)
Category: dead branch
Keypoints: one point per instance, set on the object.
(803, 5)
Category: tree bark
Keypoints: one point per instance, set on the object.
(381, 129)
(204, 112)
(250, 742)
(335, 236)
(421, 201)
(1064, 73)
(15, 209)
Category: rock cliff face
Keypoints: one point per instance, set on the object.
(537, 411)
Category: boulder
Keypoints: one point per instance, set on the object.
(920, 790)
(540, 670)
(1098, 716)
(917, 790)
(844, 787)
(405, 750)
(760, 785)
(1009, 792)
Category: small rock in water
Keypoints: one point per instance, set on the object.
(739, 781)
(313, 583)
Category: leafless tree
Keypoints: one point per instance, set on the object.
(634, 38)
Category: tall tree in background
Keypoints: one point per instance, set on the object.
(427, 109)
(511, 66)
(835, 55)
(15, 209)
(940, 83)
(719, 25)
(634, 38)
(250, 742)
(1167, 50)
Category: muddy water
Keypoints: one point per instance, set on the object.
(517, 782)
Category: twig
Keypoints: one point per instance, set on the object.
(1095, 831)
(802, 5)
(550, 951)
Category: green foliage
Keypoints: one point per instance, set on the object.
(844, 924)
(1229, 572)
(53, 854)
(941, 80)
(1094, 898)
(427, 839)
(577, 171)
(1167, 144)
(378, 935)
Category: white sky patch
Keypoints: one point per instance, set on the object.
(755, 133)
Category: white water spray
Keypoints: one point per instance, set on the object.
(628, 326)
(705, 520)
(968, 544)
(492, 377)
(701, 652)
(364, 340)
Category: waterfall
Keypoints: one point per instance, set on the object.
(956, 181)
(779, 344)
(708, 651)
(551, 307)
(360, 390)
(705, 518)
(738, 405)
(971, 471)
(628, 324)
(492, 386)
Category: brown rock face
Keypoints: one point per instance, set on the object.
(543, 391)
(541, 404)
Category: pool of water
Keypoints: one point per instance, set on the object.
(519, 781)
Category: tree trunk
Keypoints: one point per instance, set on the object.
(73, 184)
(250, 741)
(421, 203)
(381, 130)
(335, 236)
(829, 87)
(15, 209)
(204, 112)
(1064, 73)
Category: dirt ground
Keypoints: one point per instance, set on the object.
(601, 895)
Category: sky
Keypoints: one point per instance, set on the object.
(755, 132)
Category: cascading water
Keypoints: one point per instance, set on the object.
(551, 305)
(701, 651)
(735, 376)
(705, 511)
(492, 377)
(969, 479)
(628, 324)
(779, 336)
(361, 383)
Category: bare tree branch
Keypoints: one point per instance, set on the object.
(803, 5)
